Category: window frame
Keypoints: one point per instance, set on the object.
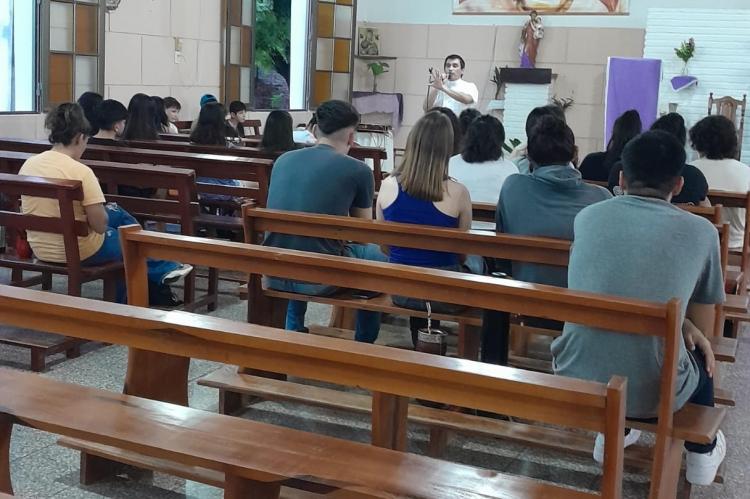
(311, 54)
(37, 69)
(44, 51)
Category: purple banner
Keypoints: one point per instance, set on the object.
(631, 84)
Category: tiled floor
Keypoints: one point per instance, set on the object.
(42, 469)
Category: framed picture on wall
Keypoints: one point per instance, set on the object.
(368, 41)
(601, 7)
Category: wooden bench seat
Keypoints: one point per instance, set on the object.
(256, 458)
(736, 303)
(147, 429)
(65, 192)
(692, 422)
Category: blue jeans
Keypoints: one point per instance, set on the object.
(474, 264)
(368, 323)
(111, 251)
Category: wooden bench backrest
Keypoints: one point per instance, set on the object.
(110, 175)
(204, 165)
(383, 370)
(176, 143)
(65, 192)
(736, 200)
(488, 244)
(611, 313)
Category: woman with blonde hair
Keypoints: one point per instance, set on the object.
(420, 192)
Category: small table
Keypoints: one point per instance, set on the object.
(380, 102)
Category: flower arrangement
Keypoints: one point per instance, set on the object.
(377, 68)
(685, 52)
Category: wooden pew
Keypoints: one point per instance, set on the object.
(376, 154)
(65, 192)
(487, 244)
(185, 126)
(204, 165)
(698, 423)
(737, 278)
(222, 451)
(182, 210)
(251, 459)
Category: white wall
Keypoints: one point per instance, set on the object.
(441, 12)
(722, 45)
(140, 51)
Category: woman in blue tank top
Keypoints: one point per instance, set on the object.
(420, 192)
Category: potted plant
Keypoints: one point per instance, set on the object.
(685, 52)
(377, 68)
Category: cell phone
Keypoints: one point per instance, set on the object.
(364, 294)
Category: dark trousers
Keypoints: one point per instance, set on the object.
(496, 334)
(703, 395)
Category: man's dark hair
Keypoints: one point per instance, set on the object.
(65, 122)
(672, 123)
(335, 115)
(172, 102)
(714, 137)
(90, 102)
(484, 140)
(551, 142)
(536, 115)
(466, 117)
(237, 106)
(110, 112)
(653, 160)
(458, 135)
(455, 56)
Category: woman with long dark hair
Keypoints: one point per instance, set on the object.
(162, 120)
(142, 119)
(211, 130)
(597, 165)
(278, 132)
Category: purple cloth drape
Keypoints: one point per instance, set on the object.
(631, 84)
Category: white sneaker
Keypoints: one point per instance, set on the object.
(630, 439)
(702, 468)
(176, 274)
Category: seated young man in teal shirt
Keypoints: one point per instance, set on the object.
(323, 179)
(641, 246)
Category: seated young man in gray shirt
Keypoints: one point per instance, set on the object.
(641, 246)
(543, 203)
(323, 179)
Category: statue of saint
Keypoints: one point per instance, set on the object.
(531, 35)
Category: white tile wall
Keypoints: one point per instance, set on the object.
(140, 50)
(720, 62)
(520, 99)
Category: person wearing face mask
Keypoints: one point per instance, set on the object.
(449, 89)
(236, 118)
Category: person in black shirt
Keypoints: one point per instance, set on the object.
(235, 127)
(597, 165)
(695, 189)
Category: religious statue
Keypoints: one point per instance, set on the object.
(531, 34)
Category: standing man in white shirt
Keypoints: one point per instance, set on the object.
(448, 89)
